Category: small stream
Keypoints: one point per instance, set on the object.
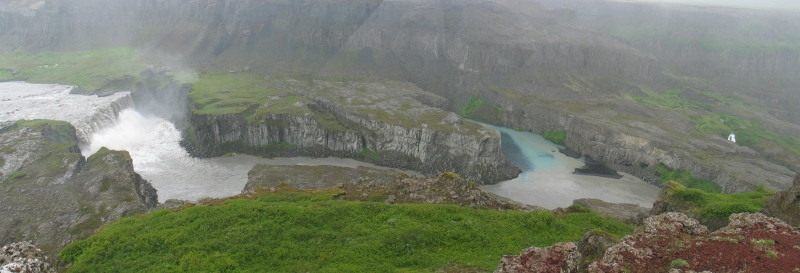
(547, 179)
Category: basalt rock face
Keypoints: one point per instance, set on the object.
(734, 50)
(785, 205)
(52, 195)
(641, 141)
(387, 127)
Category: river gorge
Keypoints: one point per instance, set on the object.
(153, 143)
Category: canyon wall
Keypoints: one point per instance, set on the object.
(51, 195)
(478, 157)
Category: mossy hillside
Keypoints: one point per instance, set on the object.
(304, 232)
(715, 205)
(90, 69)
(749, 132)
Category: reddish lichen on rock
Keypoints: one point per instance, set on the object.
(561, 257)
(751, 242)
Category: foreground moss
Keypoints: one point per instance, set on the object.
(300, 232)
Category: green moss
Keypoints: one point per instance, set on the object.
(555, 137)
(679, 263)
(15, 175)
(575, 208)
(716, 205)
(297, 232)
(472, 105)
(368, 154)
(450, 175)
(762, 242)
(686, 179)
(90, 69)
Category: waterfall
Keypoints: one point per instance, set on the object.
(88, 114)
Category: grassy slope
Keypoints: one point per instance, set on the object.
(720, 206)
(748, 131)
(217, 93)
(300, 232)
(88, 69)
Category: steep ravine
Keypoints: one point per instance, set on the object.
(476, 156)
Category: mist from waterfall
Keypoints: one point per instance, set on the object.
(87, 113)
(153, 144)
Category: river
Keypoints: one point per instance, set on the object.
(153, 143)
(547, 179)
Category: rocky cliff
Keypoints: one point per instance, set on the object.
(785, 205)
(52, 195)
(372, 184)
(731, 50)
(377, 122)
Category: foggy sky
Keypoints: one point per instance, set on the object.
(786, 5)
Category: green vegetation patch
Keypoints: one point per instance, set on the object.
(720, 206)
(677, 263)
(90, 69)
(686, 179)
(555, 137)
(216, 93)
(300, 232)
(472, 105)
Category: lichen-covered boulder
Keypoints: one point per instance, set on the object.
(673, 242)
(23, 257)
(558, 258)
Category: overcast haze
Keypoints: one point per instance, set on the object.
(787, 5)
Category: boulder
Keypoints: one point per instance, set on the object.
(785, 205)
(24, 257)
(558, 258)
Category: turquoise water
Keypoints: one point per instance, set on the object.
(547, 179)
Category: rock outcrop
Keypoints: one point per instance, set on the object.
(314, 177)
(51, 195)
(785, 205)
(561, 257)
(630, 213)
(673, 242)
(381, 123)
(751, 242)
(373, 184)
(24, 257)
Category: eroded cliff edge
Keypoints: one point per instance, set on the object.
(385, 123)
(51, 195)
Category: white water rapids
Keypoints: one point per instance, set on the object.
(153, 143)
